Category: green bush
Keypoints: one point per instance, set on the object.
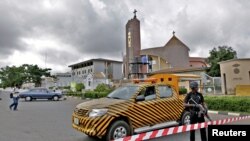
(66, 87)
(94, 94)
(51, 87)
(182, 90)
(79, 87)
(77, 94)
(228, 103)
(88, 94)
(101, 88)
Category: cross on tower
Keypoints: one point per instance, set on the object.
(173, 32)
(135, 12)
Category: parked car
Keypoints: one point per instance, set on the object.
(40, 93)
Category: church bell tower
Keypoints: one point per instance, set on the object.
(133, 44)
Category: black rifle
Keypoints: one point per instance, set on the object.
(203, 109)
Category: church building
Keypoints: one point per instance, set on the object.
(138, 63)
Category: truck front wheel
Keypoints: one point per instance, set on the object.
(185, 119)
(119, 129)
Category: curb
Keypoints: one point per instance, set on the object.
(226, 113)
(72, 97)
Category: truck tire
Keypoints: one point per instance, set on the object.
(185, 118)
(118, 129)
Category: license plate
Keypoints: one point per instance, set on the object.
(76, 121)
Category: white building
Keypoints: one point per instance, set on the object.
(96, 71)
(63, 79)
(48, 82)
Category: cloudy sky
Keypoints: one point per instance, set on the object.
(57, 33)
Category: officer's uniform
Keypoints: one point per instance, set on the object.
(198, 98)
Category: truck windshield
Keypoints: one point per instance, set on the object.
(123, 92)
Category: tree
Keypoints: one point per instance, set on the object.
(222, 53)
(16, 76)
(79, 87)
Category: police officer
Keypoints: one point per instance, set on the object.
(194, 108)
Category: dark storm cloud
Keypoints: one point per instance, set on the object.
(77, 24)
(10, 30)
(80, 26)
(95, 34)
(61, 57)
(100, 31)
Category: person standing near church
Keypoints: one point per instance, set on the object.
(193, 101)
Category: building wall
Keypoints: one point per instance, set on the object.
(63, 80)
(77, 79)
(91, 83)
(80, 72)
(117, 71)
(99, 66)
(177, 54)
(197, 64)
(158, 63)
(88, 82)
(112, 70)
(234, 73)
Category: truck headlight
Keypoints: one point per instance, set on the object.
(97, 112)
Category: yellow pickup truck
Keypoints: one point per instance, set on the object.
(139, 107)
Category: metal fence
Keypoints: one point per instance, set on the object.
(211, 85)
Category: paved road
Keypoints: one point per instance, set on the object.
(51, 121)
(38, 121)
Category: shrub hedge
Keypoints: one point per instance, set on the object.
(65, 87)
(182, 90)
(77, 94)
(228, 103)
(88, 94)
(94, 94)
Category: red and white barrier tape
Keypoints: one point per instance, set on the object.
(179, 129)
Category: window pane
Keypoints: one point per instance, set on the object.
(165, 91)
(150, 93)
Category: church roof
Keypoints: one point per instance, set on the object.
(155, 50)
(151, 50)
(175, 40)
(198, 59)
